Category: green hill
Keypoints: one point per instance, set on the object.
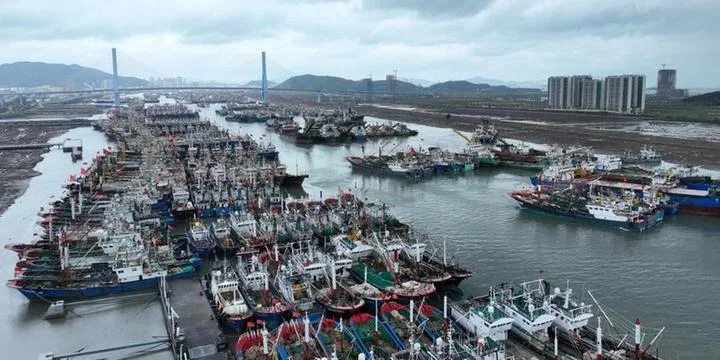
(338, 84)
(32, 74)
(319, 83)
(709, 99)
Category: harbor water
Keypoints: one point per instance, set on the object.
(666, 277)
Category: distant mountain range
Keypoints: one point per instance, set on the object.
(538, 84)
(33, 74)
(258, 83)
(338, 84)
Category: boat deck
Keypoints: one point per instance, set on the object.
(196, 319)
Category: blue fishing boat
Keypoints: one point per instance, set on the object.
(200, 239)
(700, 202)
(262, 296)
(124, 277)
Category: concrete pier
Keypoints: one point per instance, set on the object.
(189, 320)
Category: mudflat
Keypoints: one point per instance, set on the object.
(563, 128)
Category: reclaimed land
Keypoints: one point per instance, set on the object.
(563, 128)
(17, 166)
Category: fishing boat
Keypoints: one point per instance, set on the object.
(456, 272)
(401, 321)
(484, 320)
(296, 290)
(322, 274)
(482, 155)
(296, 339)
(390, 282)
(570, 315)
(131, 270)
(290, 180)
(200, 239)
(262, 297)
(619, 213)
(351, 246)
(696, 201)
(222, 236)
(339, 341)
(225, 289)
(526, 304)
(376, 338)
(512, 156)
(646, 156)
(243, 227)
(409, 256)
(373, 297)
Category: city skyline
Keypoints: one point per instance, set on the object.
(514, 40)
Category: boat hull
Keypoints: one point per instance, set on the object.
(45, 294)
(623, 225)
(199, 249)
(238, 323)
(708, 205)
(290, 180)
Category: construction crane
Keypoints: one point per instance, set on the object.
(462, 135)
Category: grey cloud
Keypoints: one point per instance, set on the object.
(360, 36)
(431, 8)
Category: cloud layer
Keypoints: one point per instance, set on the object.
(435, 40)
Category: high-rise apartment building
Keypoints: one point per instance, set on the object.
(559, 92)
(625, 93)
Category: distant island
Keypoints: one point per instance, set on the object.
(34, 74)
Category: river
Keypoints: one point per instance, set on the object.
(666, 277)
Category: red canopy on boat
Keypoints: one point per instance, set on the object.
(390, 306)
(361, 318)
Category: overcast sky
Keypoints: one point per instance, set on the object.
(424, 39)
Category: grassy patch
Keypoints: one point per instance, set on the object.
(683, 112)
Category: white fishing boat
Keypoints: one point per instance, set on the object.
(481, 320)
(225, 289)
(351, 246)
(527, 305)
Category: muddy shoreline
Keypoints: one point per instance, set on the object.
(17, 166)
(563, 129)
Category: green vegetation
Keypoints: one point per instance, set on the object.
(709, 99)
(681, 111)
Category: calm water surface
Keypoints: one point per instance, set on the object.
(666, 277)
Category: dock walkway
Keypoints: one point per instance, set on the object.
(190, 314)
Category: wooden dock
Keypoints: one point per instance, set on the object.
(190, 321)
(68, 145)
(28, 146)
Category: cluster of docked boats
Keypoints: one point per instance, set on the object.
(328, 278)
(603, 190)
(115, 229)
(334, 128)
(335, 256)
(533, 313)
(96, 241)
